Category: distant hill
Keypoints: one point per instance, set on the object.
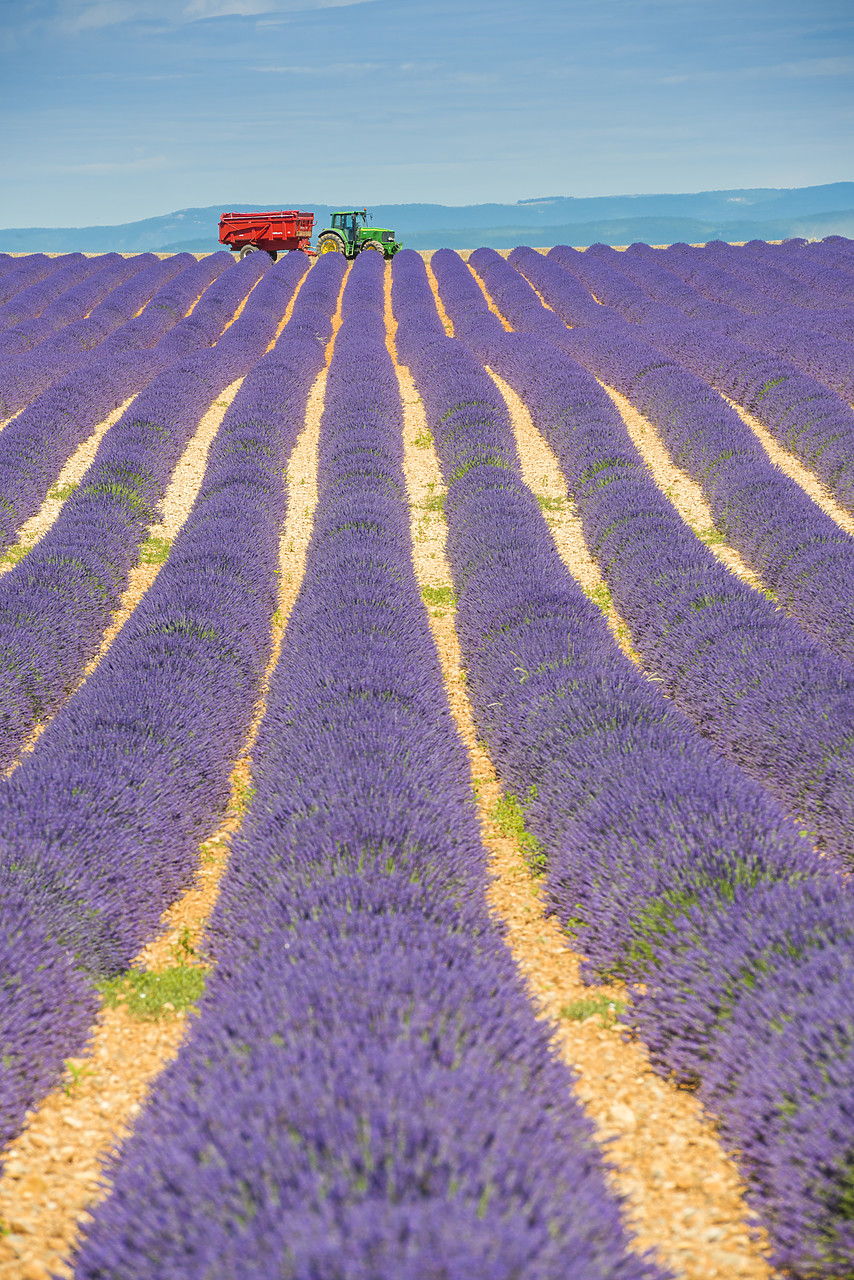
(763, 213)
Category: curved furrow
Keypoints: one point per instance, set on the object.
(747, 972)
(109, 329)
(56, 604)
(102, 821)
(74, 304)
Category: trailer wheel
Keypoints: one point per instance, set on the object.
(272, 254)
(329, 242)
(247, 249)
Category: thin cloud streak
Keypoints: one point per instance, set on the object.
(201, 9)
(807, 68)
(327, 69)
(148, 164)
(76, 17)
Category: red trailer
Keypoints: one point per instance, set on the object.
(275, 232)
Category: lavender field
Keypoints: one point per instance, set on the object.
(324, 589)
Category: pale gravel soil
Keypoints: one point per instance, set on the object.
(684, 493)
(795, 470)
(34, 529)
(543, 476)
(440, 306)
(683, 1193)
(177, 500)
(53, 1174)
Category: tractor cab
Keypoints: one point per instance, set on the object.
(348, 233)
(348, 223)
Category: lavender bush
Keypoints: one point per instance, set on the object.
(723, 653)
(804, 416)
(27, 271)
(556, 700)
(56, 603)
(806, 340)
(392, 1108)
(112, 330)
(799, 553)
(823, 273)
(31, 301)
(34, 447)
(746, 974)
(74, 304)
(102, 821)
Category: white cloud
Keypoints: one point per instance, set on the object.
(146, 164)
(89, 15)
(226, 8)
(804, 69)
(840, 66)
(199, 9)
(304, 6)
(107, 13)
(327, 69)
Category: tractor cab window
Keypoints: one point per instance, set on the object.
(338, 220)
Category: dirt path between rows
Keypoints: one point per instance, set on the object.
(543, 476)
(34, 529)
(177, 500)
(678, 487)
(794, 469)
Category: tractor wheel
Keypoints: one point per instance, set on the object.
(247, 249)
(330, 243)
(374, 245)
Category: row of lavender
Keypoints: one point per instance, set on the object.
(726, 656)
(798, 551)
(747, 298)
(19, 274)
(794, 373)
(38, 312)
(74, 346)
(101, 823)
(55, 605)
(35, 445)
(366, 1092)
(667, 864)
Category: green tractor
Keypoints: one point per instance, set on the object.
(349, 235)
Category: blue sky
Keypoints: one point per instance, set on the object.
(121, 109)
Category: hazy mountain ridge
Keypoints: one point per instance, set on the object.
(741, 214)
